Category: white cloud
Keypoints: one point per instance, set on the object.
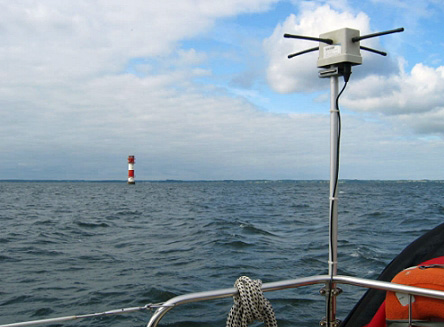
(387, 150)
(54, 40)
(419, 91)
(428, 123)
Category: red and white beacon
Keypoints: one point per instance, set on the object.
(131, 170)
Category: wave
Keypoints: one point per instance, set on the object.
(90, 225)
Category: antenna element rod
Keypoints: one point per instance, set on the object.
(382, 53)
(359, 38)
(328, 41)
(302, 52)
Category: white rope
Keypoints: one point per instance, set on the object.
(250, 305)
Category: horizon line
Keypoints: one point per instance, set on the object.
(218, 180)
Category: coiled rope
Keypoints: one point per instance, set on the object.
(250, 305)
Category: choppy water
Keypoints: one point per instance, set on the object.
(83, 247)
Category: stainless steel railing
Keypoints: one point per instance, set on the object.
(293, 283)
(163, 308)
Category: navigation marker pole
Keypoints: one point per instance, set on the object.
(131, 162)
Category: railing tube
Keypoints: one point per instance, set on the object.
(294, 283)
(223, 293)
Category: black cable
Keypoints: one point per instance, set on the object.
(338, 140)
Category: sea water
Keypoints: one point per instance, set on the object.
(71, 248)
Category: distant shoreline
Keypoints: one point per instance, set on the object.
(221, 181)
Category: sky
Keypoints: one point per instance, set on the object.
(203, 90)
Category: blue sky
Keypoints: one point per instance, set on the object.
(202, 89)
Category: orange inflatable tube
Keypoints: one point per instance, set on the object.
(423, 308)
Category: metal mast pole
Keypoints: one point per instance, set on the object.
(333, 214)
(339, 50)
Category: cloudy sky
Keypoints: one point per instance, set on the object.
(203, 89)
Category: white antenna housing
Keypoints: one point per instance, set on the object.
(343, 49)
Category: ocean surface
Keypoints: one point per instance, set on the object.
(72, 248)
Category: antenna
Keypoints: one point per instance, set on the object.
(339, 50)
(340, 46)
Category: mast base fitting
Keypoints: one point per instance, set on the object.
(335, 292)
(335, 323)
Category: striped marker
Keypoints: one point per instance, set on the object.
(131, 170)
